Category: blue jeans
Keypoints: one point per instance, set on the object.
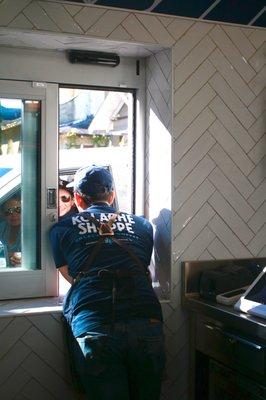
(125, 363)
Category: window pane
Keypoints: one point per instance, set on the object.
(96, 127)
(20, 132)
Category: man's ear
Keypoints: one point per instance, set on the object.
(111, 197)
(79, 201)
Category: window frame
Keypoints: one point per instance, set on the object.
(48, 76)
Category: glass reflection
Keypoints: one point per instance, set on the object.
(10, 178)
(19, 152)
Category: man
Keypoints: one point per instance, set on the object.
(111, 307)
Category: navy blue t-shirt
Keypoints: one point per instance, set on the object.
(88, 303)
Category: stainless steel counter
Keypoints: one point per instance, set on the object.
(228, 317)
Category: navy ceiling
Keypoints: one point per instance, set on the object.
(246, 12)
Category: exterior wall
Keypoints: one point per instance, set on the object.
(218, 149)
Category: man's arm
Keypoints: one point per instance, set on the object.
(64, 272)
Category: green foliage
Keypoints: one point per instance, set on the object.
(100, 140)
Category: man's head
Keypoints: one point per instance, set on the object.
(92, 184)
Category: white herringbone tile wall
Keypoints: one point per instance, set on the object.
(33, 359)
(218, 158)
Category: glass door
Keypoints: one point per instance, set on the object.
(25, 270)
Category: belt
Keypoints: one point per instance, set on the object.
(110, 274)
(114, 276)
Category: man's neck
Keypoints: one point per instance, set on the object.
(99, 203)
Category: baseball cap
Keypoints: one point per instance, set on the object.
(92, 180)
(63, 184)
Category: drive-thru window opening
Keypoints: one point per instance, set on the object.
(151, 142)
